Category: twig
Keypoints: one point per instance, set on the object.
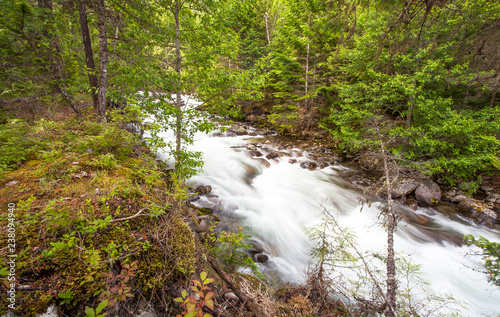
(132, 217)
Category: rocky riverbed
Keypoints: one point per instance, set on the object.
(266, 147)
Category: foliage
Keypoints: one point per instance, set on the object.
(203, 296)
(358, 275)
(87, 214)
(229, 248)
(490, 254)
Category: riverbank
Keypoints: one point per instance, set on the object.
(102, 227)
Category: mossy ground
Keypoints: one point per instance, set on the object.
(99, 220)
(74, 181)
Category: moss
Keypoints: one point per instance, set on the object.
(183, 246)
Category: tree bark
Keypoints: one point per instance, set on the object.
(391, 224)
(103, 60)
(178, 123)
(267, 29)
(89, 54)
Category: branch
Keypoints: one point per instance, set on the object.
(132, 217)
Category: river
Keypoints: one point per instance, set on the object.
(276, 203)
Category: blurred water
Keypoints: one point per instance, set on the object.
(276, 203)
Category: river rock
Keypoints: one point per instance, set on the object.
(403, 187)
(427, 193)
(241, 131)
(205, 223)
(255, 153)
(261, 258)
(218, 135)
(203, 189)
(412, 203)
(310, 165)
(230, 134)
(272, 155)
(292, 161)
(478, 211)
(263, 161)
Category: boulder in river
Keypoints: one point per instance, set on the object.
(203, 190)
(310, 165)
(427, 193)
(263, 161)
(403, 187)
(272, 155)
(255, 153)
(478, 211)
(261, 258)
(241, 131)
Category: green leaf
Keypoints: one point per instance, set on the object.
(101, 306)
(203, 275)
(89, 311)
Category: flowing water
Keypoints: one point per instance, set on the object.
(275, 204)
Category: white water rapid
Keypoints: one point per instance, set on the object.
(274, 204)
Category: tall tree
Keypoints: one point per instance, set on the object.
(89, 53)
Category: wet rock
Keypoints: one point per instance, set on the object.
(412, 203)
(241, 131)
(310, 165)
(292, 161)
(427, 193)
(446, 208)
(203, 189)
(271, 156)
(403, 188)
(263, 161)
(193, 198)
(261, 258)
(251, 147)
(487, 188)
(478, 211)
(454, 195)
(218, 135)
(255, 249)
(205, 223)
(255, 153)
(230, 134)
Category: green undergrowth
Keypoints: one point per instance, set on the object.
(97, 220)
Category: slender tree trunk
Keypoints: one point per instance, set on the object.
(89, 54)
(267, 29)
(178, 127)
(103, 60)
(391, 224)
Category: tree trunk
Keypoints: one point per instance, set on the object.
(178, 124)
(103, 63)
(267, 29)
(89, 54)
(391, 224)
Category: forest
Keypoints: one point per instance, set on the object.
(102, 227)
